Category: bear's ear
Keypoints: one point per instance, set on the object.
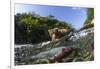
(49, 30)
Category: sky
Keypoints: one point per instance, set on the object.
(75, 16)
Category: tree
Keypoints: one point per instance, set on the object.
(90, 15)
(89, 21)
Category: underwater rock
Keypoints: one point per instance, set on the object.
(47, 54)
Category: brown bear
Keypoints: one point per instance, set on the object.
(56, 33)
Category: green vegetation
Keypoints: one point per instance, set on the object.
(90, 17)
(32, 28)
